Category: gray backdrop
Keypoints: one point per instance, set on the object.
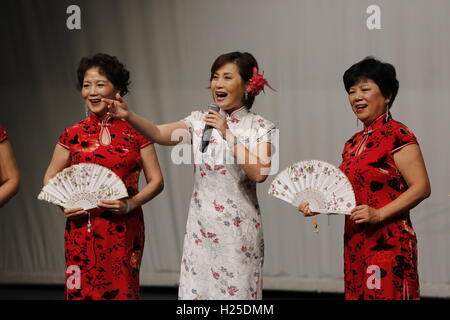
(304, 46)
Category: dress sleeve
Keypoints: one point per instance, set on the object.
(266, 135)
(63, 140)
(143, 141)
(403, 137)
(194, 120)
(189, 121)
(266, 131)
(3, 135)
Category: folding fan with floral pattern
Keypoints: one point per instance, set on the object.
(322, 185)
(83, 186)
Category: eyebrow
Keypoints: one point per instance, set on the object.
(359, 85)
(226, 73)
(95, 81)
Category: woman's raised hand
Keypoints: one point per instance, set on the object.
(217, 121)
(117, 108)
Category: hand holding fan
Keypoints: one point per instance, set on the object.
(83, 186)
(322, 185)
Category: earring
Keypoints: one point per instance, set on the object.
(388, 115)
(246, 96)
(86, 111)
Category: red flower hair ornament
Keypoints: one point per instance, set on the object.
(257, 82)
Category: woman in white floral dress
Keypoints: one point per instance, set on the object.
(223, 247)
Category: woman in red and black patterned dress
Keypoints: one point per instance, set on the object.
(9, 174)
(387, 171)
(103, 260)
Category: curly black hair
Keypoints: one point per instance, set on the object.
(382, 73)
(109, 66)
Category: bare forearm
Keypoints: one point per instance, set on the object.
(161, 134)
(150, 191)
(60, 161)
(47, 178)
(145, 127)
(411, 165)
(8, 190)
(406, 201)
(50, 174)
(9, 173)
(255, 168)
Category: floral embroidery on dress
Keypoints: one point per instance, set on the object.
(109, 258)
(369, 164)
(223, 243)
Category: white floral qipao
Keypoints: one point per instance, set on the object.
(223, 246)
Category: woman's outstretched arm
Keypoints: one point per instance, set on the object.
(168, 134)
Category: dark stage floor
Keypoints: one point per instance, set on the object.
(56, 292)
(38, 292)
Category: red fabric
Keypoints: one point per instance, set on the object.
(391, 246)
(3, 135)
(109, 256)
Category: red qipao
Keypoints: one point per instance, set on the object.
(380, 261)
(109, 256)
(3, 135)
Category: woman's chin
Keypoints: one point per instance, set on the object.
(99, 112)
(363, 116)
(220, 103)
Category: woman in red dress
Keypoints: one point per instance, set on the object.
(387, 171)
(103, 259)
(9, 174)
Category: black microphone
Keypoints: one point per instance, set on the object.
(208, 129)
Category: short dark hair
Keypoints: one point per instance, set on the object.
(382, 73)
(109, 66)
(245, 62)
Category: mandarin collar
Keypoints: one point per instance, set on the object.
(96, 120)
(376, 124)
(236, 114)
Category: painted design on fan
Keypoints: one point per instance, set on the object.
(83, 186)
(323, 185)
(278, 189)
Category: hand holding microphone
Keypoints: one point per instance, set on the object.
(213, 120)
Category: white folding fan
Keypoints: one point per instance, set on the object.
(322, 185)
(83, 186)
